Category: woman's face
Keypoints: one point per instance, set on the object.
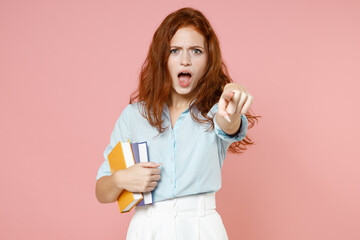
(187, 60)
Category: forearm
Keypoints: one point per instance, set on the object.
(229, 128)
(108, 189)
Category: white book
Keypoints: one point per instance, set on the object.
(143, 155)
(129, 160)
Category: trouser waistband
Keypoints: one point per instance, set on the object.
(192, 205)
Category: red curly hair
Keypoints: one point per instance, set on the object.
(155, 83)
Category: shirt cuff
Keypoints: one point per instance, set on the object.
(240, 135)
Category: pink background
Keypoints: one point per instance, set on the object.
(67, 69)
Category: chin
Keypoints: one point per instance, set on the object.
(188, 93)
(182, 92)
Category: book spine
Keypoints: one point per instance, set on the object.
(129, 160)
(144, 157)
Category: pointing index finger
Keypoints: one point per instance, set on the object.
(228, 95)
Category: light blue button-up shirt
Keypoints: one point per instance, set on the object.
(191, 157)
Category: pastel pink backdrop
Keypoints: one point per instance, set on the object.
(67, 69)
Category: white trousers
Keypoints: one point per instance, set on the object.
(192, 217)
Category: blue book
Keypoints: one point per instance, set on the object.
(140, 153)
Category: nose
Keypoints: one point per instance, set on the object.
(185, 59)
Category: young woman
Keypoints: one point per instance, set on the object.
(190, 114)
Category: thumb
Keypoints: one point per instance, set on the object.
(150, 164)
(224, 101)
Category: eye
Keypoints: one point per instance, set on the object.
(173, 50)
(197, 51)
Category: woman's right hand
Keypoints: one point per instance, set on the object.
(141, 177)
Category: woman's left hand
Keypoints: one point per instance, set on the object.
(234, 101)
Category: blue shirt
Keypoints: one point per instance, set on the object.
(192, 157)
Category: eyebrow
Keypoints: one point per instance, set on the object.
(192, 47)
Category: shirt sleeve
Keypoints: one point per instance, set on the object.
(225, 139)
(119, 133)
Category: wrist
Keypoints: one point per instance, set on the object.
(118, 179)
(230, 128)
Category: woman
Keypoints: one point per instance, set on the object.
(190, 113)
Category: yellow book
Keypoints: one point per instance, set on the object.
(121, 157)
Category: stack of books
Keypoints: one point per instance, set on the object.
(124, 155)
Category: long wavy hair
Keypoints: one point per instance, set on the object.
(155, 83)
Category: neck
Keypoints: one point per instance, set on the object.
(179, 101)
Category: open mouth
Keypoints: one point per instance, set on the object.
(184, 79)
